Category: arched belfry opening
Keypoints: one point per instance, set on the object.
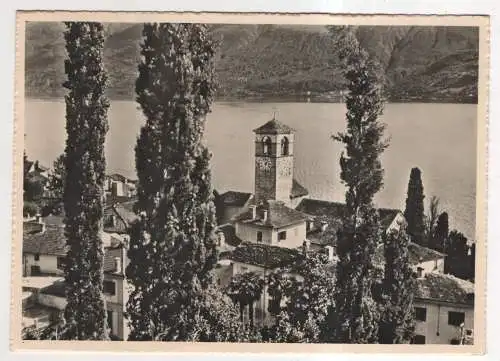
(266, 145)
(284, 146)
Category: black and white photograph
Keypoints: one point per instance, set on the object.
(295, 183)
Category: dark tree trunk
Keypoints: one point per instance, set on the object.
(251, 314)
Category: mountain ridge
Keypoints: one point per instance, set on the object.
(436, 64)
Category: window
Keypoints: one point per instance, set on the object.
(35, 270)
(37, 257)
(109, 288)
(421, 313)
(266, 146)
(281, 236)
(418, 340)
(259, 236)
(284, 146)
(456, 318)
(109, 316)
(420, 272)
(60, 262)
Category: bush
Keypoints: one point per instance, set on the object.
(30, 209)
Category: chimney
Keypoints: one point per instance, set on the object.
(38, 218)
(253, 208)
(330, 252)
(324, 226)
(305, 247)
(118, 265)
(264, 217)
(126, 241)
(221, 238)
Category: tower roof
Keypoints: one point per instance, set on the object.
(274, 127)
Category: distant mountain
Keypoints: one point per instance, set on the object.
(420, 63)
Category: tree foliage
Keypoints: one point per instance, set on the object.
(33, 184)
(414, 211)
(86, 125)
(172, 247)
(431, 219)
(300, 299)
(397, 323)
(440, 232)
(355, 316)
(460, 258)
(57, 177)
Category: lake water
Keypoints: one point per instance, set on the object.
(440, 139)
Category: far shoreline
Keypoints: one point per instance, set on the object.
(276, 99)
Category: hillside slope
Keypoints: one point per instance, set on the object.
(420, 63)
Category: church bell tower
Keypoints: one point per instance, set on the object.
(274, 162)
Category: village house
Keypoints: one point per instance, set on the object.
(444, 309)
(117, 185)
(44, 251)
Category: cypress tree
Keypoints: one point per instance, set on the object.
(441, 232)
(456, 249)
(414, 211)
(172, 246)
(356, 318)
(86, 126)
(397, 322)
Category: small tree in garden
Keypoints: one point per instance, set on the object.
(86, 125)
(245, 289)
(414, 211)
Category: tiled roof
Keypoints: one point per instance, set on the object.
(51, 242)
(233, 198)
(42, 168)
(316, 207)
(112, 199)
(416, 254)
(333, 212)
(31, 227)
(419, 254)
(54, 220)
(445, 288)
(229, 235)
(264, 255)
(278, 215)
(38, 177)
(298, 190)
(387, 216)
(123, 216)
(117, 177)
(274, 127)
(56, 289)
